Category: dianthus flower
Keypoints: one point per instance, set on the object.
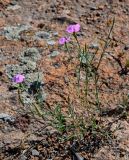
(64, 40)
(18, 78)
(73, 28)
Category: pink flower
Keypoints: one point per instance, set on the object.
(70, 29)
(76, 27)
(64, 40)
(18, 78)
(73, 28)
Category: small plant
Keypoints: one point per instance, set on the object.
(71, 122)
(87, 65)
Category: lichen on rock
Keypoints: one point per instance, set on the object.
(42, 35)
(30, 54)
(13, 32)
(14, 69)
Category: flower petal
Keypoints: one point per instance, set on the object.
(18, 78)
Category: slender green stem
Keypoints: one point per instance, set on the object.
(96, 75)
(94, 56)
(97, 92)
(75, 36)
(86, 85)
(19, 95)
(106, 44)
(79, 52)
(86, 73)
(40, 113)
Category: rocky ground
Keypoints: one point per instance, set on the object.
(29, 33)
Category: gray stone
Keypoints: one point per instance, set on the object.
(56, 65)
(35, 152)
(23, 157)
(54, 54)
(93, 6)
(55, 33)
(13, 7)
(51, 42)
(6, 117)
(13, 2)
(94, 46)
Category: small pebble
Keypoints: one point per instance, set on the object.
(51, 42)
(35, 152)
(94, 46)
(54, 54)
(55, 33)
(23, 157)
